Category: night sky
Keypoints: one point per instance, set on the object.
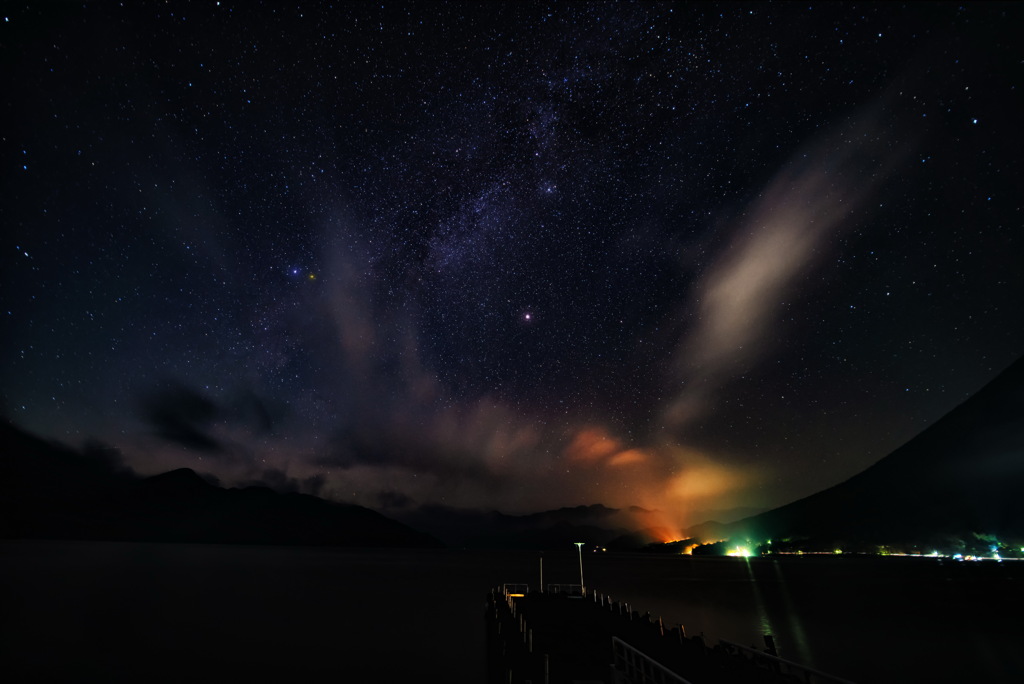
(520, 256)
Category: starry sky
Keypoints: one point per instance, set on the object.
(689, 257)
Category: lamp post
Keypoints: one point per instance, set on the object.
(579, 548)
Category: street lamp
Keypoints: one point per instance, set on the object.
(579, 548)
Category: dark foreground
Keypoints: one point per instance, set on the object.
(118, 612)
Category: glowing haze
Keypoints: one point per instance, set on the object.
(509, 256)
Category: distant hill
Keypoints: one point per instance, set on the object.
(49, 491)
(963, 475)
(594, 524)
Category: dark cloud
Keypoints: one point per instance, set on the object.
(388, 447)
(280, 481)
(253, 411)
(394, 501)
(183, 416)
(314, 484)
(104, 456)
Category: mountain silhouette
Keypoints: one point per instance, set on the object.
(49, 491)
(481, 529)
(960, 477)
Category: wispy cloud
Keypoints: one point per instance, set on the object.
(397, 430)
(790, 228)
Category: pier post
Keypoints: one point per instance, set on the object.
(583, 587)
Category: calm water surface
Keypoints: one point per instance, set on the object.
(175, 612)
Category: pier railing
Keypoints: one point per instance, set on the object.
(635, 667)
(801, 673)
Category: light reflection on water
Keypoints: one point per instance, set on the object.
(762, 614)
(796, 627)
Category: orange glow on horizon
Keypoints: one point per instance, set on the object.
(675, 488)
(660, 534)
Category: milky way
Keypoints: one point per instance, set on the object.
(688, 257)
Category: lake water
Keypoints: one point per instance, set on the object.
(111, 612)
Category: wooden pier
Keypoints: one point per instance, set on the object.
(566, 636)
